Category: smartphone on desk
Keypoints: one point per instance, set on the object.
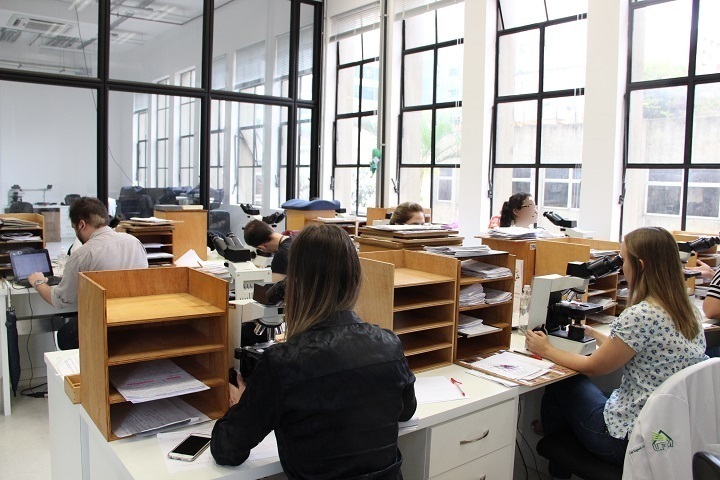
(190, 448)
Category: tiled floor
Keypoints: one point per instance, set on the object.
(25, 441)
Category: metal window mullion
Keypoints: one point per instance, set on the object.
(538, 133)
(549, 23)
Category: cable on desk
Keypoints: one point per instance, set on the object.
(32, 371)
(523, 458)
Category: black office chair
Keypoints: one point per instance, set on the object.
(219, 221)
(71, 198)
(20, 207)
(706, 466)
(565, 450)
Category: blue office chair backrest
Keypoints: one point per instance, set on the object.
(21, 207)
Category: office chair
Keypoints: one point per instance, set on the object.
(71, 198)
(565, 450)
(219, 222)
(706, 466)
(20, 207)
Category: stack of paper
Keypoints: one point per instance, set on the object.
(603, 253)
(472, 327)
(460, 252)
(436, 389)
(483, 270)
(405, 228)
(146, 381)
(12, 222)
(472, 295)
(513, 366)
(151, 418)
(150, 221)
(496, 296)
(519, 233)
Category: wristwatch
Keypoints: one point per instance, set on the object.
(38, 283)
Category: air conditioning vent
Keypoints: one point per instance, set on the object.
(37, 25)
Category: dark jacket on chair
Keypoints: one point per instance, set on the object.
(333, 394)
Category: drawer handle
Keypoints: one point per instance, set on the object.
(485, 434)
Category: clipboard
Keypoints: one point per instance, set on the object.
(557, 372)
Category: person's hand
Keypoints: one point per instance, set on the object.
(236, 392)
(591, 332)
(705, 270)
(34, 277)
(537, 343)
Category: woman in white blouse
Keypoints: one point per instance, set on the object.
(658, 334)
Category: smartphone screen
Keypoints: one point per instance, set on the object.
(191, 446)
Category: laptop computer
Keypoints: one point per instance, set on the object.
(26, 262)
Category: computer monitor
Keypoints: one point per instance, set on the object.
(26, 262)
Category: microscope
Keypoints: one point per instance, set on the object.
(562, 319)
(568, 227)
(688, 249)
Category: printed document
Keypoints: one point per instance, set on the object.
(436, 389)
(148, 418)
(143, 382)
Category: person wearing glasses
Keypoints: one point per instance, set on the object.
(659, 334)
(519, 211)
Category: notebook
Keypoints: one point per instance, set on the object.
(26, 262)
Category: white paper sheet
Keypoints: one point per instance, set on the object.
(151, 416)
(265, 449)
(436, 389)
(69, 364)
(510, 365)
(189, 259)
(155, 380)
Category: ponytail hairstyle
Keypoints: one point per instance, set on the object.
(660, 276)
(323, 277)
(515, 202)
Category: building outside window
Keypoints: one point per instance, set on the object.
(141, 134)
(162, 137)
(539, 104)
(186, 161)
(672, 168)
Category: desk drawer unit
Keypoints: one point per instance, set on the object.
(496, 466)
(468, 438)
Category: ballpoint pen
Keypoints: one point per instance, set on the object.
(457, 385)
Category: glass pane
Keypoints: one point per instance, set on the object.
(370, 86)
(661, 41)
(706, 124)
(250, 67)
(350, 49)
(304, 126)
(418, 78)
(415, 186)
(517, 14)
(63, 42)
(565, 52)
(704, 198)
(371, 44)
(562, 130)
(416, 138)
(279, 40)
(346, 188)
(708, 53)
(306, 51)
(448, 135)
(450, 74)
(420, 30)
(150, 42)
(368, 139)
(451, 22)
(519, 63)
(348, 90)
(509, 181)
(651, 203)
(565, 8)
(346, 144)
(657, 125)
(445, 195)
(516, 132)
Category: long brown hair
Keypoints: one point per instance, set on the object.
(323, 277)
(660, 276)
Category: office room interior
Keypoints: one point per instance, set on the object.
(606, 111)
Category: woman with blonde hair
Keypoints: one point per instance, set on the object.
(336, 389)
(659, 334)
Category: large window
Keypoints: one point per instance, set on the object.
(186, 146)
(356, 120)
(672, 168)
(539, 103)
(140, 135)
(431, 110)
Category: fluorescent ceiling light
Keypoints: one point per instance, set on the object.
(163, 14)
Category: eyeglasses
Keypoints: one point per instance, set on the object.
(529, 206)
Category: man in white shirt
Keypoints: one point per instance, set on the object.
(103, 249)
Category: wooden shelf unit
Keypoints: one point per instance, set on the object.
(8, 245)
(553, 255)
(190, 231)
(498, 315)
(166, 238)
(132, 316)
(415, 295)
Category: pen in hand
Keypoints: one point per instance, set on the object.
(457, 385)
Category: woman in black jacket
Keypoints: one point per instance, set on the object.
(336, 389)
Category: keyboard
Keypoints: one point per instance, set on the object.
(52, 281)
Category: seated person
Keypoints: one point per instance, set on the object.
(103, 249)
(711, 304)
(260, 235)
(660, 333)
(519, 211)
(408, 213)
(334, 391)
